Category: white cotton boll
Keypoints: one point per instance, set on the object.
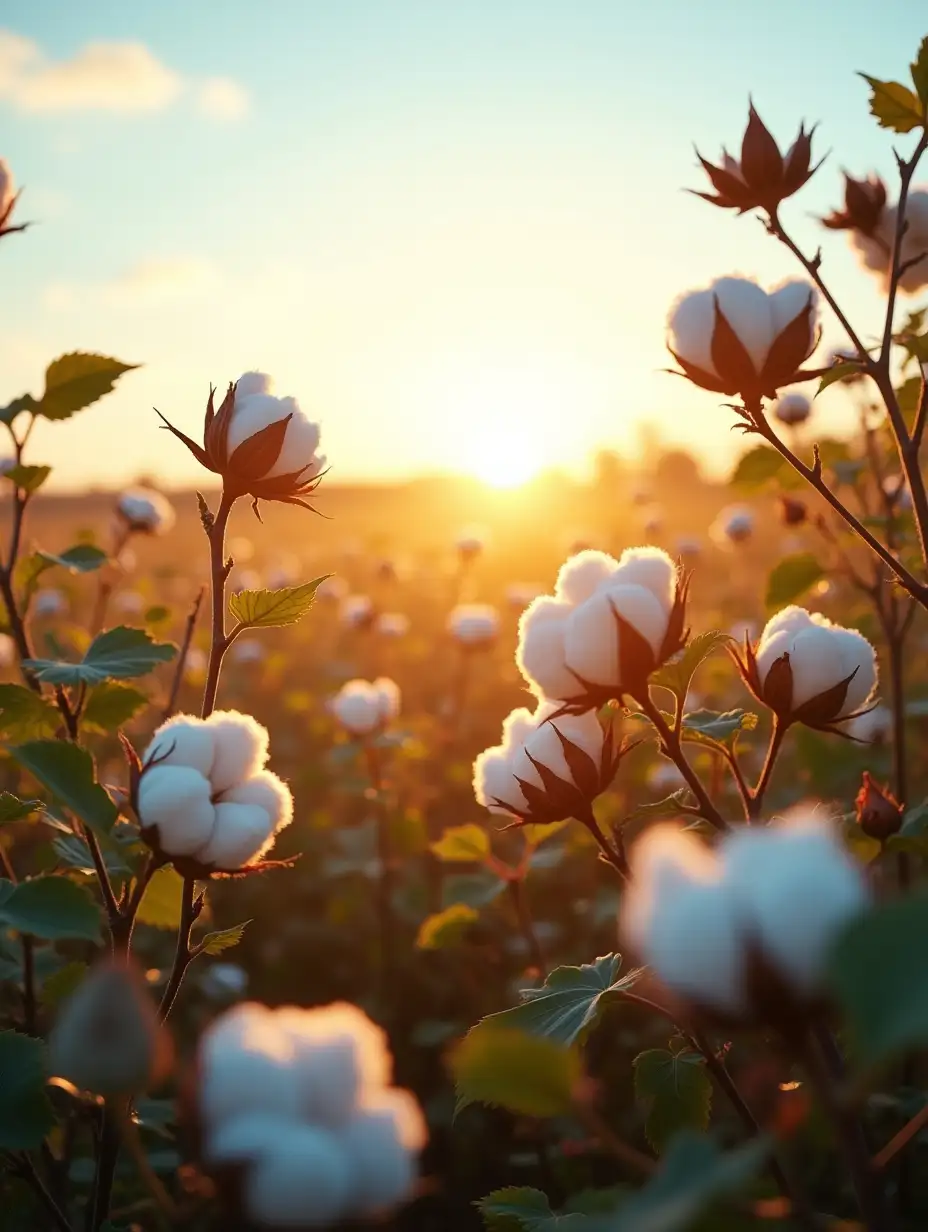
(241, 745)
(49, 602)
(356, 611)
(357, 707)
(182, 741)
(254, 412)
(544, 744)
(253, 383)
(305, 1182)
(793, 409)
(268, 792)
(582, 575)
(383, 1170)
(749, 311)
(247, 650)
(857, 656)
(651, 568)
(392, 624)
(474, 624)
(246, 1070)
(177, 801)
(388, 698)
(734, 524)
(815, 660)
(540, 654)
(241, 835)
(789, 300)
(494, 779)
(871, 727)
(225, 980)
(246, 1136)
(592, 640)
(690, 327)
(145, 511)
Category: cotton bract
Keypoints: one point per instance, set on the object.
(609, 624)
(301, 1102)
(363, 707)
(700, 918)
(204, 793)
(144, 511)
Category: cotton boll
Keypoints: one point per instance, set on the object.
(815, 660)
(241, 748)
(269, 793)
(582, 575)
(305, 1182)
(857, 656)
(183, 741)
(250, 383)
(388, 698)
(145, 511)
(176, 800)
(871, 727)
(225, 981)
(240, 836)
(392, 624)
(494, 779)
(650, 568)
(246, 1067)
(474, 624)
(49, 602)
(541, 656)
(383, 1170)
(246, 1136)
(690, 326)
(750, 312)
(592, 639)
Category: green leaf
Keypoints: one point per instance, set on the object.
(59, 986)
(68, 773)
(474, 889)
(920, 73)
(446, 928)
(119, 654)
(894, 105)
(25, 402)
(27, 478)
(839, 372)
(516, 1209)
(161, 902)
(879, 972)
(525, 1074)
(717, 728)
(25, 715)
(82, 558)
(677, 674)
(661, 810)
(77, 380)
(675, 1091)
(908, 395)
(791, 578)
(224, 939)
(757, 467)
(268, 609)
(52, 908)
(462, 844)
(110, 705)
(25, 1112)
(569, 1003)
(14, 809)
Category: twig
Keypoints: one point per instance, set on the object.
(183, 654)
(182, 955)
(773, 749)
(673, 747)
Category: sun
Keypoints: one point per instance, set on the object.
(505, 460)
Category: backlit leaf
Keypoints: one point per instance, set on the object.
(462, 844)
(446, 928)
(265, 609)
(526, 1074)
(894, 105)
(77, 380)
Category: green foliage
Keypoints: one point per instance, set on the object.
(661, 810)
(838, 372)
(790, 578)
(161, 902)
(758, 467)
(77, 380)
(894, 105)
(68, 773)
(715, 727)
(24, 715)
(675, 1091)
(525, 1074)
(519, 1209)
(677, 674)
(59, 986)
(82, 558)
(14, 809)
(118, 654)
(52, 908)
(25, 402)
(446, 928)
(27, 479)
(25, 1113)
(462, 845)
(224, 939)
(110, 705)
(473, 889)
(268, 609)
(879, 973)
(919, 70)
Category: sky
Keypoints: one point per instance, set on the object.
(451, 230)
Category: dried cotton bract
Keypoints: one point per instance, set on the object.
(609, 624)
(363, 707)
(204, 798)
(743, 931)
(762, 177)
(299, 1103)
(474, 625)
(145, 512)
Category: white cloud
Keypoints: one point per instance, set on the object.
(221, 98)
(104, 76)
(157, 280)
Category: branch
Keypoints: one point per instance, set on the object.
(673, 747)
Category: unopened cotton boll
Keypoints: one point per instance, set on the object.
(392, 624)
(733, 525)
(144, 511)
(608, 626)
(363, 707)
(793, 409)
(474, 625)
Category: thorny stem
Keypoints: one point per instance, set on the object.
(673, 747)
(516, 887)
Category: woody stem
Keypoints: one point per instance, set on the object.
(773, 750)
(672, 746)
(219, 573)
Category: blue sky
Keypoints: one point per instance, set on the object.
(451, 230)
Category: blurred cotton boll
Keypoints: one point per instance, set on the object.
(196, 664)
(332, 589)
(245, 579)
(364, 707)
(664, 776)
(471, 542)
(224, 981)
(300, 1102)
(7, 650)
(793, 409)
(248, 650)
(872, 727)
(129, 602)
(474, 626)
(808, 670)
(733, 525)
(897, 492)
(205, 796)
(392, 624)
(703, 919)
(873, 250)
(608, 626)
(49, 602)
(145, 512)
(357, 612)
(689, 547)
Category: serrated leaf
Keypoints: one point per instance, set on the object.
(675, 1091)
(677, 674)
(68, 773)
(110, 705)
(757, 467)
(25, 715)
(446, 928)
(118, 654)
(25, 402)
(59, 986)
(661, 810)
(52, 908)
(82, 558)
(513, 1209)
(462, 844)
(26, 1114)
(27, 478)
(223, 939)
(894, 105)
(267, 609)
(919, 69)
(14, 809)
(717, 727)
(161, 902)
(526, 1074)
(77, 380)
(791, 578)
(839, 372)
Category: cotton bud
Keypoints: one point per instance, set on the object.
(7, 650)
(808, 670)
(392, 624)
(733, 525)
(864, 205)
(363, 708)
(204, 798)
(879, 813)
(261, 445)
(8, 199)
(735, 338)
(357, 612)
(762, 177)
(50, 602)
(793, 512)
(549, 766)
(609, 624)
(298, 1104)
(145, 512)
(874, 250)
(793, 410)
(743, 931)
(474, 625)
(108, 1039)
(470, 543)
